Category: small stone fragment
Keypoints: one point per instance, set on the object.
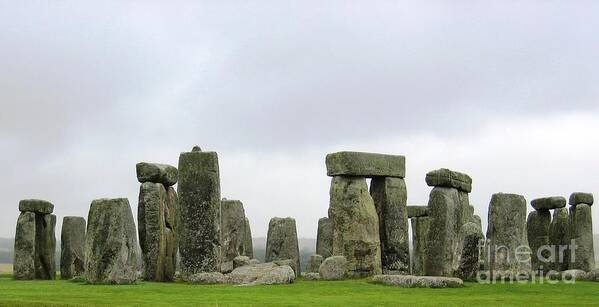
(581, 198)
(324, 237)
(314, 263)
(157, 173)
(262, 274)
(333, 268)
(548, 203)
(72, 242)
(449, 179)
(350, 163)
(36, 205)
(417, 211)
(311, 276)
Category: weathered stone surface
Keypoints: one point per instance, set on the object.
(469, 259)
(449, 179)
(281, 241)
(507, 235)
(443, 242)
(111, 242)
(157, 173)
(314, 263)
(417, 211)
(420, 227)
(559, 238)
(199, 212)
(324, 238)
(266, 273)
(311, 276)
(581, 231)
(248, 245)
(36, 206)
(24, 261)
(291, 263)
(547, 203)
(241, 261)
(226, 266)
(350, 163)
(254, 261)
(581, 198)
(233, 229)
(355, 226)
(390, 200)
(207, 278)
(45, 246)
(172, 225)
(72, 242)
(410, 281)
(334, 268)
(538, 224)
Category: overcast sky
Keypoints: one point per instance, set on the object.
(506, 91)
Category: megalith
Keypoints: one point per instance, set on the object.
(420, 227)
(582, 255)
(281, 242)
(199, 212)
(314, 263)
(559, 239)
(72, 243)
(324, 238)
(110, 242)
(469, 259)
(506, 234)
(537, 226)
(248, 245)
(24, 263)
(233, 231)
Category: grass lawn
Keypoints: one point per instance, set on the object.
(307, 293)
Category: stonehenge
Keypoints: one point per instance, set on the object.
(538, 226)
(72, 242)
(420, 225)
(324, 237)
(233, 232)
(559, 239)
(35, 241)
(281, 242)
(581, 232)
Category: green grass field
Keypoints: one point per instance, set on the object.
(305, 293)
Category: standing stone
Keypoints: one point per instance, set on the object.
(443, 242)
(111, 242)
(199, 212)
(24, 262)
(355, 226)
(390, 199)
(45, 246)
(72, 242)
(507, 234)
(233, 230)
(581, 231)
(324, 238)
(314, 264)
(469, 257)
(281, 241)
(420, 227)
(559, 238)
(172, 224)
(248, 245)
(537, 226)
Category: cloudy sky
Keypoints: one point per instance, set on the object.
(506, 92)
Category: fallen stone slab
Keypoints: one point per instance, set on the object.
(72, 243)
(36, 205)
(581, 198)
(262, 274)
(207, 278)
(157, 173)
(447, 178)
(548, 203)
(417, 211)
(333, 268)
(410, 281)
(351, 163)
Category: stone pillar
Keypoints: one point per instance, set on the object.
(314, 263)
(538, 229)
(506, 235)
(469, 258)
(199, 212)
(281, 242)
(582, 257)
(248, 245)
(110, 243)
(559, 238)
(72, 242)
(233, 232)
(35, 241)
(420, 225)
(324, 238)
(390, 199)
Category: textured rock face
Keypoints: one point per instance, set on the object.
(36, 205)
(409, 281)
(420, 227)
(157, 226)
(559, 238)
(417, 211)
(355, 226)
(581, 198)
(45, 246)
(157, 173)
(443, 242)
(311, 276)
(241, 261)
(314, 264)
(334, 268)
(281, 241)
(538, 224)
(110, 243)
(72, 242)
(248, 245)
(390, 200)
(24, 263)
(324, 238)
(449, 179)
(581, 231)
(469, 259)
(262, 274)
(548, 203)
(233, 229)
(349, 163)
(207, 278)
(506, 233)
(199, 212)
